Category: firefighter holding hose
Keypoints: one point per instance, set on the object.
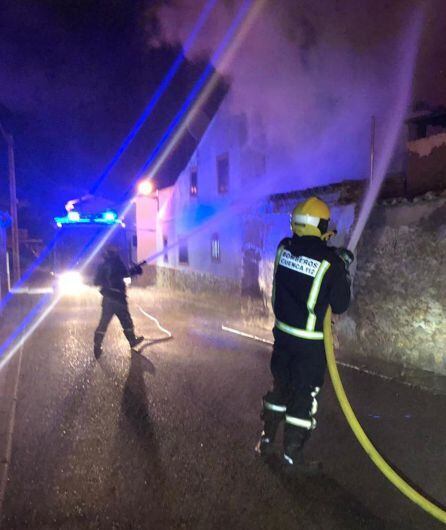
(110, 278)
(308, 277)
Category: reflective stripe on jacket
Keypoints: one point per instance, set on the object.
(308, 276)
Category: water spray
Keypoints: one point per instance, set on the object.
(187, 46)
(237, 31)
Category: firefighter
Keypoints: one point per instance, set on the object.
(308, 277)
(110, 277)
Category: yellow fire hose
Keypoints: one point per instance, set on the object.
(361, 436)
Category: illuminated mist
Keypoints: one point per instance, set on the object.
(308, 92)
(308, 78)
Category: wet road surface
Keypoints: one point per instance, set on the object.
(165, 439)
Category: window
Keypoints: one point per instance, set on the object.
(223, 173)
(165, 251)
(183, 253)
(215, 249)
(193, 182)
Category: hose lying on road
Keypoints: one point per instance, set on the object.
(160, 327)
(247, 335)
(361, 436)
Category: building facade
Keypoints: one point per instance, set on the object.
(197, 226)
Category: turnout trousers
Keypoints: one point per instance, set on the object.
(298, 369)
(120, 308)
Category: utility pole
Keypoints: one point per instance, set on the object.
(13, 205)
(372, 148)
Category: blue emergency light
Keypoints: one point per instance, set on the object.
(109, 216)
(73, 217)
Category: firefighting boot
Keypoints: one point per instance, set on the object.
(98, 336)
(135, 341)
(298, 465)
(272, 420)
(293, 456)
(132, 338)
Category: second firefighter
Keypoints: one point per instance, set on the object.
(110, 278)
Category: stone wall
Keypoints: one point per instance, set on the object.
(188, 281)
(399, 308)
(426, 169)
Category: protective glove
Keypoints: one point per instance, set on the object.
(346, 256)
(135, 270)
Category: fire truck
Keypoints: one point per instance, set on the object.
(78, 245)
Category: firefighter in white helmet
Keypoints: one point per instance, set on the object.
(308, 277)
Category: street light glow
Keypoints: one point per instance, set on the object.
(145, 187)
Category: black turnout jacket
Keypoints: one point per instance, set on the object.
(308, 276)
(110, 277)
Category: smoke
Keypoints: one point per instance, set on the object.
(308, 77)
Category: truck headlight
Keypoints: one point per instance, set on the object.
(70, 282)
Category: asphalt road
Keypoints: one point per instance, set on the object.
(165, 439)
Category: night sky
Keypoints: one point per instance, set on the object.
(76, 74)
(75, 77)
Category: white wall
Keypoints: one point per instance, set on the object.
(198, 217)
(146, 215)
